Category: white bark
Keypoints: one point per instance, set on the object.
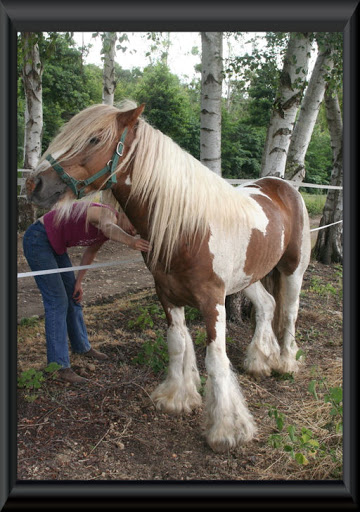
(109, 82)
(32, 78)
(211, 88)
(328, 247)
(292, 83)
(310, 106)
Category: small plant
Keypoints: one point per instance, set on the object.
(32, 380)
(192, 314)
(324, 290)
(145, 316)
(298, 446)
(200, 338)
(153, 354)
(29, 322)
(333, 396)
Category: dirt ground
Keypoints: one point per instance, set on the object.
(109, 428)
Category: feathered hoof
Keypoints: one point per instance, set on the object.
(176, 403)
(261, 366)
(220, 442)
(289, 365)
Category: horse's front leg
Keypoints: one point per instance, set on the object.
(228, 420)
(179, 392)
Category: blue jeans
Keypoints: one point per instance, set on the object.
(63, 316)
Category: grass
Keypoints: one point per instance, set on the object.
(314, 203)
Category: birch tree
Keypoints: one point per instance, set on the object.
(310, 106)
(109, 82)
(32, 71)
(211, 88)
(291, 87)
(328, 247)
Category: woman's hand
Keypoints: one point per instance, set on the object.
(78, 292)
(139, 244)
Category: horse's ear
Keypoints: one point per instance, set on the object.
(130, 117)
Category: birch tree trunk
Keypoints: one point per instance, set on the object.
(291, 87)
(32, 79)
(310, 106)
(109, 82)
(328, 247)
(211, 88)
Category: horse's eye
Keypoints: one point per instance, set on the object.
(94, 140)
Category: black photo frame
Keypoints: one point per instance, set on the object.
(118, 15)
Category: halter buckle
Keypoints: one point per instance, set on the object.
(120, 145)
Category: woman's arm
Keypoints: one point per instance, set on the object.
(105, 220)
(87, 258)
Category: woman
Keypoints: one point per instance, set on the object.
(45, 247)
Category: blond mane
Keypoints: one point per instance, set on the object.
(183, 196)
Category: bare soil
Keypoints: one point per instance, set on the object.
(109, 428)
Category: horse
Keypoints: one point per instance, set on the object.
(208, 240)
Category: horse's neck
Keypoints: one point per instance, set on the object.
(138, 215)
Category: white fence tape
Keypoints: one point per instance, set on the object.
(79, 267)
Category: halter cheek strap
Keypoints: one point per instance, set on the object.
(78, 186)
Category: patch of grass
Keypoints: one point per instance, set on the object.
(314, 203)
(29, 322)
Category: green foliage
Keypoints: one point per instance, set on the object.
(300, 442)
(318, 160)
(324, 290)
(168, 106)
(145, 316)
(241, 148)
(332, 396)
(29, 322)
(154, 354)
(32, 380)
(314, 203)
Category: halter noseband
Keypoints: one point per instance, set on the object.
(78, 186)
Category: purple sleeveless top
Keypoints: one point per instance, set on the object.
(73, 231)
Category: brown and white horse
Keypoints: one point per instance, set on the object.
(208, 240)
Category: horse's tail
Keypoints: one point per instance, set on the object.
(274, 284)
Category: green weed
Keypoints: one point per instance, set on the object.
(154, 354)
(32, 380)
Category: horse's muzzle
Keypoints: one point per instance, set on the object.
(33, 186)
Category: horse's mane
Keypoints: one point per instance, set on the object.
(184, 197)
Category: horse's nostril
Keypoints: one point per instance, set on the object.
(33, 185)
(38, 184)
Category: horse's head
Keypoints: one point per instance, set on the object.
(83, 157)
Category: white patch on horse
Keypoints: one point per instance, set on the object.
(128, 180)
(282, 239)
(179, 392)
(229, 250)
(228, 420)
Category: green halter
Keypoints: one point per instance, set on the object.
(78, 186)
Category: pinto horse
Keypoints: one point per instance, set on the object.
(208, 240)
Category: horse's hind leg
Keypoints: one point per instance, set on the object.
(179, 392)
(228, 420)
(263, 353)
(287, 319)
